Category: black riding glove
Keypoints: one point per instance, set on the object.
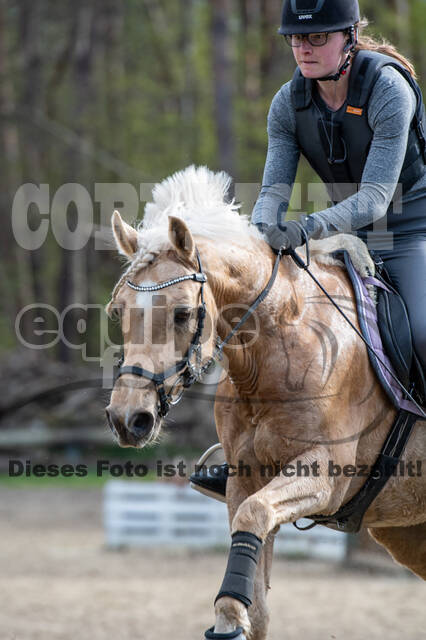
(290, 236)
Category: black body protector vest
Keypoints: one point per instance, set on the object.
(337, 149)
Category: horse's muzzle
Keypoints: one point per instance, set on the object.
(132, 431)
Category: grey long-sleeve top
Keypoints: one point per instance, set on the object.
(390, 111)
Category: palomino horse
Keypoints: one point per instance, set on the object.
(278, 401)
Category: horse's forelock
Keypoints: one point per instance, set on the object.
(197, 196)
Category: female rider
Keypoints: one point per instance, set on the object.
(355, 112)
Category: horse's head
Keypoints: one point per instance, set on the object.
(166, 338)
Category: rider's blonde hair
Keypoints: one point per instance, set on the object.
(381, 46)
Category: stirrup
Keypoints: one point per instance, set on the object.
(238, 634)
(210, 484)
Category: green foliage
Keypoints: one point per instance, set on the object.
(144, 105)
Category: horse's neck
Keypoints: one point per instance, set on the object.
(237, 275)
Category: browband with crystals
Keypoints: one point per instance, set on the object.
(198, 277)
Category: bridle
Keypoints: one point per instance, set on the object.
(188, 372)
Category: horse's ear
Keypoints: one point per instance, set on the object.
(181, 238)
(126, 238)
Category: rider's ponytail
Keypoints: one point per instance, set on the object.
(381, 46)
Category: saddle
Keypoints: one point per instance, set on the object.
(386, 327)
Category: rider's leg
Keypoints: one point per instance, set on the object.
(406, 264)
(210, 479)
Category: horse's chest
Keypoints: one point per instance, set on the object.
(271, 448)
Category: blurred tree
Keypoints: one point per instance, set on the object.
(130, 91)
(10, 172)
(223, 81)
(73, 275)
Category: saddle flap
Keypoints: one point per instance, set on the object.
(389, 336)
(394, 327)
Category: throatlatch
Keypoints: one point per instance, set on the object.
(238, 582)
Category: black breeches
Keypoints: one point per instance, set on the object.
(406, 265)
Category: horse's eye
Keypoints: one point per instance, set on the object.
(182, 315)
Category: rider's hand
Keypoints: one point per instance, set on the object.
(289, 236)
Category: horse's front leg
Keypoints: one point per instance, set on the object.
(284, 499)
(254, 620)
(229, 616)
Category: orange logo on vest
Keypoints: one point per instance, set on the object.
(355, 111)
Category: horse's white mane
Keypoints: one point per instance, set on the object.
(197, 196)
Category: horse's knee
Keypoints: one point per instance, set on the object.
(255, 516)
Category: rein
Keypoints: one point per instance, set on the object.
(305, 266)
(220, 344)
(190, 373)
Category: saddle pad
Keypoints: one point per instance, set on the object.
(367, 317)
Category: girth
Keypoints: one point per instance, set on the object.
(349, 517)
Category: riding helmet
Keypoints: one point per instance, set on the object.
(316, 16)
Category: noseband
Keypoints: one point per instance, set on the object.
(188, 373)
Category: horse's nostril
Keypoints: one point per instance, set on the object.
(141, 423)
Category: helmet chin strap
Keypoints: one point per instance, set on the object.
(341, 72)
(349, 48)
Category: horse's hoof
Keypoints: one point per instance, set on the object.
(232, 635)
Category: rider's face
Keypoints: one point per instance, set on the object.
(317, 62)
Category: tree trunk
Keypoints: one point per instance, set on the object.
(252, 52)
(402, 22)
(187, 100)
(73, 282)
(19, 282)
(32, 98)
(112, 43)
(272, 47)
(223, 79)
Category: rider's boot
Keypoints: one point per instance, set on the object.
(210, 480)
